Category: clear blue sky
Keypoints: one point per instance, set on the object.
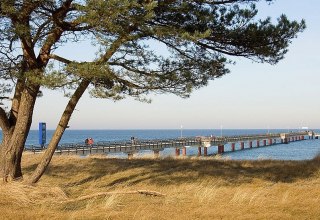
(253, 95)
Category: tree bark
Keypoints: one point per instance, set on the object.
(63, 123)
(10, 160)
(15, 139)
(5, 142)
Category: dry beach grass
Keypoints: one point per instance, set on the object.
(194, 189)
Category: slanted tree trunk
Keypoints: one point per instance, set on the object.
(15, 138)
(63, 123)
(65, 118)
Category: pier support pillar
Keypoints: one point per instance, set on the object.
(177, 152)
(220, 149)
(130, 156)
(285, 141)
(156, 153)
(270, 141)
(258, 143)
(241, 145)
(199, 151)
(184, 151)
(205, 151)
(233, 146)
(281, 141)
(264, 142)
(250, 144)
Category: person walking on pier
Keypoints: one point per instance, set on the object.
(133, 140)
(89, 141)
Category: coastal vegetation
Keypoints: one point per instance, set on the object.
(96, 187)
(198, 40)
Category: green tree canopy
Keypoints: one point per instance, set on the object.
(198, 38)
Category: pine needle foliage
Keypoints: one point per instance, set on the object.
(144, 46)
(199, 36)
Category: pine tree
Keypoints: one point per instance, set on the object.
(200, 38)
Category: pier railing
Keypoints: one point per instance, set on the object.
(157, 145)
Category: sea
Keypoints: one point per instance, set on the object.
(300, 150)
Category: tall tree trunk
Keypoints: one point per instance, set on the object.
(8, 122)
(6, 136)
(11, 160)
(15, 140)
(63, 123)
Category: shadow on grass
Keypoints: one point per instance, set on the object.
(173, 172)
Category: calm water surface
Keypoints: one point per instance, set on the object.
(300, 150)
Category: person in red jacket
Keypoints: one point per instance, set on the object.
(89, 141)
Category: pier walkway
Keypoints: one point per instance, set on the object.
(181, 144)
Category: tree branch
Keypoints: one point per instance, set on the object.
(220, 50)
(141, 192)
(4, 121)
(39, 33)
(222, 2)
(181, 52)
(113, 48)
(16, 101)
(60, 59)
(57, 31)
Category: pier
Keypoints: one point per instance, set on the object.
(202, 143)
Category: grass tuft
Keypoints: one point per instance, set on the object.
(210, 188)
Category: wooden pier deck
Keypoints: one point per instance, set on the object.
(181, 144)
